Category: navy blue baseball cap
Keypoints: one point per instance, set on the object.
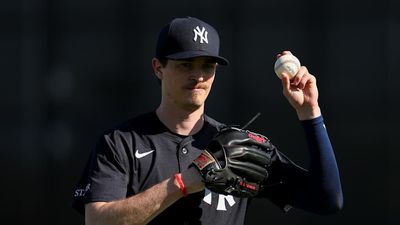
(188, 37)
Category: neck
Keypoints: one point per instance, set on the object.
(180, 121)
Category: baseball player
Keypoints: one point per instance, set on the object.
(176, 165)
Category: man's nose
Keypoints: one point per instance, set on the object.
(198, 75)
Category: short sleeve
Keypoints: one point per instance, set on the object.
(106, 175)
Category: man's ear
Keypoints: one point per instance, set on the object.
(157, 66)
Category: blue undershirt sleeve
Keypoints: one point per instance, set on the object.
(316, 189)
(323, 193)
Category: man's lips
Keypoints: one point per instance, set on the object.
(196, 87)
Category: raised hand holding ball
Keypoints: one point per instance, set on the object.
(287, 63)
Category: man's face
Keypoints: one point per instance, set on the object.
(187, 83)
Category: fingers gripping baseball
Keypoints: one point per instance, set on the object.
(301, 91)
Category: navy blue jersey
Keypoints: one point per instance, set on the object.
(142, 152)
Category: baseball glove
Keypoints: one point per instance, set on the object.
(236, 162)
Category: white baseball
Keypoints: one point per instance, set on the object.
(287, 63)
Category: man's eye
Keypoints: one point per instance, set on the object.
(186, 65)
(209, 67)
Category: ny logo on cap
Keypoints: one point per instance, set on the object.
(201, 33)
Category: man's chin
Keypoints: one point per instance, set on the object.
(194, 105)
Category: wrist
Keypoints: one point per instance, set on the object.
(178, 181)
(308, 113)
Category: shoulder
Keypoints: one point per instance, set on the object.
(124, 135)
(145, 122)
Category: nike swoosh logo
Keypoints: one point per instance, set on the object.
(141, 155)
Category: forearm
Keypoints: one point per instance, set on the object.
(324, 173)
(138, 209)
(143, 207)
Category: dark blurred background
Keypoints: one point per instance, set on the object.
(71, 68)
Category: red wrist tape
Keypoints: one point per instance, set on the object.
(181, 185)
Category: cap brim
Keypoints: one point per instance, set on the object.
(192, 54)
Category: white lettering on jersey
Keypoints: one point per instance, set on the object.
(221, 200)
(201, 33)
(82, 192)
(207, 196)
